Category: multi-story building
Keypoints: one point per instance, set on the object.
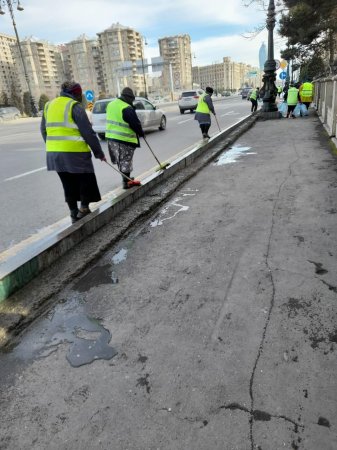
(43, 65)
(8, 77)
(122, 58)
(82, 63)
(176, 52)
(227, 75)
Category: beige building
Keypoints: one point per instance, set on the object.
(82, 63)
(122, 53)
(8, 77)
(176, 51)
(227, 75)
(44, 67)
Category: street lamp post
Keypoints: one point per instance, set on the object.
(269, 90)
(19, 8)
(143, 68)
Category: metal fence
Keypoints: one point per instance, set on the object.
(325, 100)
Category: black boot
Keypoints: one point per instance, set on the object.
(73, 215)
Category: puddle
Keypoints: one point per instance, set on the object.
(119, 256)
(96, 276)
(67, 324)
(230, 156)
(175, 206)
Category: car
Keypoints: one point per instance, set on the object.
(245, 93)
(226, 94)
(149, 115)
(9, 113)
(188, 100)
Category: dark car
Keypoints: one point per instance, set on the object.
(245, 93)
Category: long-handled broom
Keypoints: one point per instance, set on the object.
(131, 182)
(162, 166)
(217, 123)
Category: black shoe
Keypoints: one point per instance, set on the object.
(208, 136)
(82, 212)
(73, 215)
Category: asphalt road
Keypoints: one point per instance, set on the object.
(33, 198)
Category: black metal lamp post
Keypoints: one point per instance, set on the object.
(19, 7)
(269, 90)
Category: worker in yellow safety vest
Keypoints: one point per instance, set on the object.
(203, 112)
(69, 139)
(292, 97)
(306, 93)
(254, 95)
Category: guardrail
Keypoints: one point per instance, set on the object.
(325, 99)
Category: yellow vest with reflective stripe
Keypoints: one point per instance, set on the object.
(306, 91)
(253, 95)
(63, 134)
(202, 106)
(116, 127)
(292, 98)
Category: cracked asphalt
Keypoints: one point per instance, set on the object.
(210, 326)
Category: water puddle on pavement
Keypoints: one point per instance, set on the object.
(173, 208)
(230, 156)
(66, 324)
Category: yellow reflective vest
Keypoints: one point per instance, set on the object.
(116, 127)
(202, 106)
(306, 92)
(63, 134)
(253, 95)
(292, 97)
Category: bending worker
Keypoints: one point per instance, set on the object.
(253, 98)
(69, 136)
(123, 130)
(203, 112)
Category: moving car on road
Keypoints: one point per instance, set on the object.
(149, 115)
(188, 100)
(9, 113)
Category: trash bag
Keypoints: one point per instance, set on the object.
(303, 109)
(283, 109)
(297, 110)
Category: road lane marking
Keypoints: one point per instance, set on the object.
(26, 173)
(229, 113)
(183, 121)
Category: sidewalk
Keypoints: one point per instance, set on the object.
(221, 309)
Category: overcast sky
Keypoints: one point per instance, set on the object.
(215, 26)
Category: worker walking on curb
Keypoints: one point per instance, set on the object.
(123, 129)
(253, 98)
(69, 136)
(291, 97)
(306, 91)
(203, 112)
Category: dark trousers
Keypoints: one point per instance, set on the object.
(290, 110)
(79, 187)
(204, 127)
(254, 105)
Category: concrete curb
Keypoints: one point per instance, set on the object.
(107, 225)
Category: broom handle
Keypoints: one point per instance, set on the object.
(217, 122)
(114, 168)
(151, 151)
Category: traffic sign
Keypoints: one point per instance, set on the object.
(277, 62)
(90, 106)
(283, 64)
(283, 75)
(89, 95)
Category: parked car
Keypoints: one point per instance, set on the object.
(226, 94)
(188, 100)
(149, 115)
(9, 113)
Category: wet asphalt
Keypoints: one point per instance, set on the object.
(210, 326)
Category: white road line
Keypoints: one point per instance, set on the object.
(26, 173)
(183, 121)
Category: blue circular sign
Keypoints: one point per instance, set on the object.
(283, 75)
(89, 95)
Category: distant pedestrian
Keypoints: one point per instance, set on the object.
(253, 98)
(292, 98)
(203, 112)
(69, 136)
(306, 91)
(123, 129)
(279, 90)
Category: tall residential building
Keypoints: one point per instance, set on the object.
(122, 53)
(44, 67)
(82, 63)
(8, 76)
(176, 51)
(227, 75)
(262, 55)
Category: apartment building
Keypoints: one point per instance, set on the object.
(227, 75)
(43, 65)
(176, 51)
(82, 63)
(122, 59)
(8, 76)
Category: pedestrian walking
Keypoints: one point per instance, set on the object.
(203, 112)
(253, 98)
(123, 129)
(69, 136)
(306, 91)
(279, 90)
(292, 97)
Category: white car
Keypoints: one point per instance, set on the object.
(188, 100)
(149, 115)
